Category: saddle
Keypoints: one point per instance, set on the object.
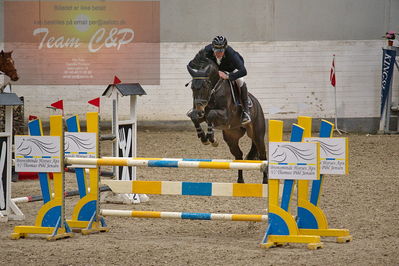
(235, 92)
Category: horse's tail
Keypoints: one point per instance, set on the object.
(257, 112)
(258, 148)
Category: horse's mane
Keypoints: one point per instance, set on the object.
(201, 61)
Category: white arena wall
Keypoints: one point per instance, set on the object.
(289, 78)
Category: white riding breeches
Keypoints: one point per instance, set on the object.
(239, 81)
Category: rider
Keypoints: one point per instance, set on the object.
(232, 62)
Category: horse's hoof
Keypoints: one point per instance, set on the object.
(215, 143)
(206, 142)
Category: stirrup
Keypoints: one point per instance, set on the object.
(245, 118)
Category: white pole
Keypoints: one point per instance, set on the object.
(133, 119)
(335, 100)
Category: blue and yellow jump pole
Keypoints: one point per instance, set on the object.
(36, 129)
(51, 216)
(282, 226)
(311, 219)
(85, 215)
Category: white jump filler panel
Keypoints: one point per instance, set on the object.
(38, 154)
(333, 155)
(294, 160)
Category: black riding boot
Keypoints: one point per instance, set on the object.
(245, 117)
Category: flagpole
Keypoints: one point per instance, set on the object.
(335, 107)
(335, 101)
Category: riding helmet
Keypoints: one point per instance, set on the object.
(219, 43)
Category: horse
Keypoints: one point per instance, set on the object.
(214, 103)
(7, 65)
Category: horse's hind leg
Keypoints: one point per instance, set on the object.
(253, 153)
(259, 142)
(232, 138)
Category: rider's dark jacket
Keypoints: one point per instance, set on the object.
(231, 60)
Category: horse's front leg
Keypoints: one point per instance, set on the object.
(201, 134)
(197, 123)
(217, 117)
(240, 177)
(210, 135)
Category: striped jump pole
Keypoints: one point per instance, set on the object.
(188, 188)
(114, 161)
(187, 215)
(200, 160)
(39, 197)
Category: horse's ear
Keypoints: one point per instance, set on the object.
(192, 71)
(2, 53)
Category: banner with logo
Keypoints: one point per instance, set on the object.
(334, 155)
(83, 42)
(388, 62)
(41, 154)
(294, 160)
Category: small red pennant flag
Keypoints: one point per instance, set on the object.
(58, 105)
(332, 72)
(116, 80)
(95, 102)
(32, 117)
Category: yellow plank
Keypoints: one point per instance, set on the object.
(146, 214)
(246, 217)
(112, 162)
(147, 187)
(37, 230)
(247, 190)
(215, 165)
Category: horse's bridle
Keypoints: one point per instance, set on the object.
(215, 87)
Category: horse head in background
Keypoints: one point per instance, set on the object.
(215, 104)
(7, 65)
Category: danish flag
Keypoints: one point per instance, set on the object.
(332, 73)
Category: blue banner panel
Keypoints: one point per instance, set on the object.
(388, 61)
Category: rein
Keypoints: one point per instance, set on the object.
(215, 88)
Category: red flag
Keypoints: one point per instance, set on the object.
(32, 117)
(116, 80)
(332, 73)
(95, 102)
(58, 105)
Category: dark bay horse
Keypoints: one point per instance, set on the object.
(213, 103)
(7, 65)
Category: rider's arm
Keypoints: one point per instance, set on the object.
(239, 65)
